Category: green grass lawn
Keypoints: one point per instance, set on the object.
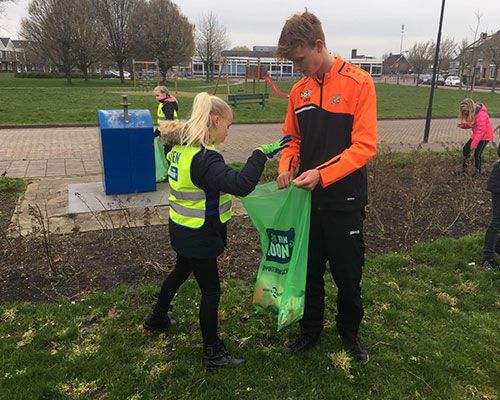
(431, 328)
(53, 101)
(10, 190)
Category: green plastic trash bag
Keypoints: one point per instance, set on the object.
(282, 217)
(161, 163)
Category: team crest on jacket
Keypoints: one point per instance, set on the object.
(336, 99)
(307, 93)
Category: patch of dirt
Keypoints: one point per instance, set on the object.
(413, 201)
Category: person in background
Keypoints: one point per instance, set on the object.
(491, 244)
(475, 116)
(167, 111)
(167, 107)
(201, 185)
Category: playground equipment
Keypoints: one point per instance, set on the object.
(256, 73)
(127, 150)
(222, 64)
(274, 87)
(146, 74)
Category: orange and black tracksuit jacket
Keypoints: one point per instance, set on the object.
(333, 123)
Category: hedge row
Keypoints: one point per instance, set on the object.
(50, 75)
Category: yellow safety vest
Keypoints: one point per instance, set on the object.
(161, 115)
(189, 205)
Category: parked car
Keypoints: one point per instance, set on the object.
(452, 80)
(111, 74)
(426, 79)
(116, 74)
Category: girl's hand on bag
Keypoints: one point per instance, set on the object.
(271, 149)
(307, 180)
(284, 179)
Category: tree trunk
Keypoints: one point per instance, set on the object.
(207, 72)
(67, 72)
(120, 68)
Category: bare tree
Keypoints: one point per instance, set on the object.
(89, 44)
(447, 52)
(115, 18)
(462, 60)
(474, 53)
(49, 27)
(211, 39)
(420, 57)
(491, 52)
(3, 4)
(162, 32)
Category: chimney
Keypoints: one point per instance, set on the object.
(354, 53)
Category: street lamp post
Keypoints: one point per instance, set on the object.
(433, 82)
(400, 52)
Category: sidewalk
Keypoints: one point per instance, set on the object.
(54, 158)
(53, 152)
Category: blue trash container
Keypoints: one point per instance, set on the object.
(127, 151)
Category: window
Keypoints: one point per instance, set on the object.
(492, 71)
(376, 70)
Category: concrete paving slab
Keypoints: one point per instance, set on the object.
(80, 150)
(90, 197)
(45, 204)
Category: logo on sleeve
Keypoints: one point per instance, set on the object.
(307, 93)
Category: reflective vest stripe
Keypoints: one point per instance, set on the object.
(225, 207)
(190, 205)
(187, 195)
(186, 211)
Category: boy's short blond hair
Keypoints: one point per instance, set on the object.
(300, 30)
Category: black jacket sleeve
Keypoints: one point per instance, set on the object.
(168, 109)
(210, 173)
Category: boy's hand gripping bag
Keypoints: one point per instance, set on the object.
(161, 163)
(282, 217)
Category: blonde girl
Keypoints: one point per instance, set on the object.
(201, 185)
(475, 116)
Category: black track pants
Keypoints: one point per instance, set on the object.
(336, 237)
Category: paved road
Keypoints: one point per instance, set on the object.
(50, 152)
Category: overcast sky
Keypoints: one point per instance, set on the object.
(372, 27)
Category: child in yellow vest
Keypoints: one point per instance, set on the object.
(200, 206)
(167, 111)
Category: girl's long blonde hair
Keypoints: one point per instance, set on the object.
(467, 111)
(196, 130)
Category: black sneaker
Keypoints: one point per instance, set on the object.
(490, 265)
(217, 356)
(302, 343)
(355, 349)
(158, 320)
